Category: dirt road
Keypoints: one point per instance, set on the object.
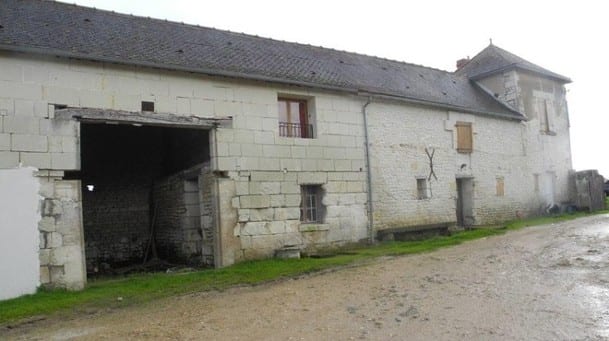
(542, 283)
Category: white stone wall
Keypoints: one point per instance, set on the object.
(259, 173)
(548, 154)
(265, 169)
(399, 135)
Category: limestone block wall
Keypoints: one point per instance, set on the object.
(548, 153)
(253, 144)
(183, 218)
(62, 252)
(399, 136)
(258, 173)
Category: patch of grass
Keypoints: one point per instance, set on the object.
(135, 289)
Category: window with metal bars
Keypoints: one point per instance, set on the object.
(311, 210)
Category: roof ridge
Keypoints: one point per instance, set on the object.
(172, 22)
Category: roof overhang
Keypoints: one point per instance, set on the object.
(552, 75)
(141, 118)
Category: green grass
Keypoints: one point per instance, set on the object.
(136, 289)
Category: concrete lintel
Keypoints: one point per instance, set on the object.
(110, 116)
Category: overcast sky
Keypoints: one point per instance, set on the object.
(567, 37)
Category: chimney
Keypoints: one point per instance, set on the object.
(461, 62)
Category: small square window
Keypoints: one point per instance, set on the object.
(423, 191)
(147, 106)
(465, 140)
(294, 118)
(311, 210)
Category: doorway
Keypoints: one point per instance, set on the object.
(465, 202)
(145, 192)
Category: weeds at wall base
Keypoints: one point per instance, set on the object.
(113, 293)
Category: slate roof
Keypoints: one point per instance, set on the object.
(493, 59)
(60, 29)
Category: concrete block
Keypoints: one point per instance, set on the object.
(201, 107)
(254, 229)
(7, 107)
(355, 186)
(44, 256)
(244, 215)
(292, 226)
(29, 143)
(21, 125)
(294, 165)
(270, 164)
(45, 276)
(38, 160)
(54, 240)
(287, 213)
(250, 150)
(61, 95)
(252, 163)
(24, 107)
(21, 91)
(270, 124)
(292, 200)
(309, 165)
(276, 151)
(46, 224)
(9, 159)
(276, 227)
(315, 152)
(65, 254)
(264, 214)
(126, 102)
(243, 136)
(277, 200)
(236, 202)
(255, 201)
(227, 163)
(290, 188)
(69, 144)
(234, 149)
(225, 108)
(95, 99)
(298, 152)
(65, 161)
(55, 142)
(264, 137)
(242, 187)
(264, 187)
(63, 128)
(5, 142)
(312, 178)
(183, 105)
(342, 165)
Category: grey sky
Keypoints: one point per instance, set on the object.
(567, 37)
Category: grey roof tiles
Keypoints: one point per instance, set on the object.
(55, 28)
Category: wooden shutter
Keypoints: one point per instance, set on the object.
(464, 137)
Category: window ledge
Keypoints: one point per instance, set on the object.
(312, 227)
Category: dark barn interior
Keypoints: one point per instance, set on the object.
(146, 196)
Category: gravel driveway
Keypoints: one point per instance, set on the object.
(548, 282)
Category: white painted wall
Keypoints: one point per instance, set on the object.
(19, 237)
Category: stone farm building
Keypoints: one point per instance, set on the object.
(226, 147)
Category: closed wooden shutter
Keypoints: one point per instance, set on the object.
(464, 137)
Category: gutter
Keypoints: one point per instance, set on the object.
(368, 174)
(247, 76)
